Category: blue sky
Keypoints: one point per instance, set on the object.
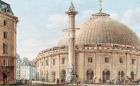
(41, 21)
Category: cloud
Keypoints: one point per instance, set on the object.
(56, 21)
(114, 15)
(86, 14)
(31, 47)
(132, 17)
(50, 31)
(46, 36)
(60, 21)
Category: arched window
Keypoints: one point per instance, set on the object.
(63, 75)
(121, 75)
(106, 75)
(90, 75)
(132, 75)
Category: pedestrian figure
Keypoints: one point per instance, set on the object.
(4, 78)
(57, 81)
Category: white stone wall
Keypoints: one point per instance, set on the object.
(18, 68)
(98, 65)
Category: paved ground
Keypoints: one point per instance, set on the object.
(37, 85)
(33, 85)
(67, 85)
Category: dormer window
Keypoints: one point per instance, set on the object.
(4, 8)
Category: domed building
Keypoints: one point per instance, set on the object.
(102, 49)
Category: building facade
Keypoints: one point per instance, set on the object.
(25, 70)
(28, 70)
(18, 68)
(8, 24)
(102, 49)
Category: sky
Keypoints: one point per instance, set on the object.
(41, 22)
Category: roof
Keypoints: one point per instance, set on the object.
(5, 8)
(102, 29)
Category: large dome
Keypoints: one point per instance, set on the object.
(102, 29)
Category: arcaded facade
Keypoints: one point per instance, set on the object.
(8, 23)
(104, 50)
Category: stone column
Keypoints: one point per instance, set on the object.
(71, 43)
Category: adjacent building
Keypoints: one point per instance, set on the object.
(28, 70)
(8, 24)
(25, 70)
(102, 49)
(18, 68)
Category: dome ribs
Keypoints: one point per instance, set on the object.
(102, 29)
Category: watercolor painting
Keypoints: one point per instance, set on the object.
(69, 42)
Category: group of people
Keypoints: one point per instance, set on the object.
(124, 81)
(62, 81)
(117, 81)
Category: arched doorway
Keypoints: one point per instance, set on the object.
(106, 75)
(63, 75)
(90, 75)
(132, 75)
(121, 75)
